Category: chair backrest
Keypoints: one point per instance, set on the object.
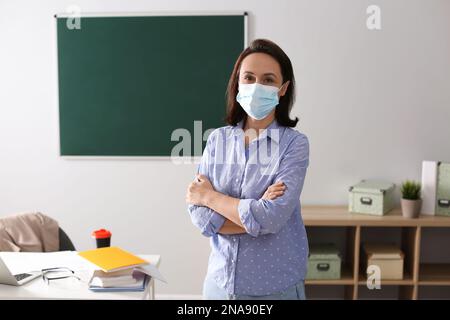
(64, 241)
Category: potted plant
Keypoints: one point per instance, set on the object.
(411, 201)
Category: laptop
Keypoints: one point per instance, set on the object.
(6, 277)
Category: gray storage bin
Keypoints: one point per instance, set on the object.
(443, 190)
(324, 262)
(371, 197)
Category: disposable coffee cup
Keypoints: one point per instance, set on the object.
(102, 238)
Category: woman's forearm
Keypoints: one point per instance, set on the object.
(225, 205)
(230, 227)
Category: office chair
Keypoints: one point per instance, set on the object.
(64, 241)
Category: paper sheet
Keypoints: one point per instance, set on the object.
(153, 271)
(21, 262)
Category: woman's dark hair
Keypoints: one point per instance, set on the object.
(235, 113)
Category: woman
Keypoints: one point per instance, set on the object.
(246, 194)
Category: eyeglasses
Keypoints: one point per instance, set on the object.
(50, 274)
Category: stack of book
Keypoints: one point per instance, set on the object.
(118, 270)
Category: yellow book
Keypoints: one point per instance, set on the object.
(111, 259)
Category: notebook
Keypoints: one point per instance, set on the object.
(112, 259)
(140, 285)
(113, 279)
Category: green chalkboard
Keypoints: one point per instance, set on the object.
(126, 83)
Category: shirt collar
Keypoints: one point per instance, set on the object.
(267, 132)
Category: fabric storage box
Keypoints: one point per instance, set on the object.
(443, 190)
(389, 258)
(324, 262)
(371, 197)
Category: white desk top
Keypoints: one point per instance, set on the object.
(69, 288)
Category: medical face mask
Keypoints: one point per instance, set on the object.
(257, 100)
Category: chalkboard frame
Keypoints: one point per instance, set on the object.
(180, 159)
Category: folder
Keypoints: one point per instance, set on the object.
(429, 186)
(112, 259)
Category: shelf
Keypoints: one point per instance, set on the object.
(406, 281)
(346, 279)
(329, 292)
(421, 239)
(340, 216)
(434, 274)
(393, 292)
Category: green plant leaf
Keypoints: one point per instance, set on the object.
(410, 190)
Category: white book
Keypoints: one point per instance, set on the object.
(429, 186)
(113, 279)
(120, 281)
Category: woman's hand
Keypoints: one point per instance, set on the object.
(274, 191)
(198, 191)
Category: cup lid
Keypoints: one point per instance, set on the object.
(101, 234)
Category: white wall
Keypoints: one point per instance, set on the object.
(373, 103)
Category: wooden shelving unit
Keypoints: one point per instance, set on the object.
(434, 274)
(358, 228)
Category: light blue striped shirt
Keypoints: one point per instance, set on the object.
(272, 255)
